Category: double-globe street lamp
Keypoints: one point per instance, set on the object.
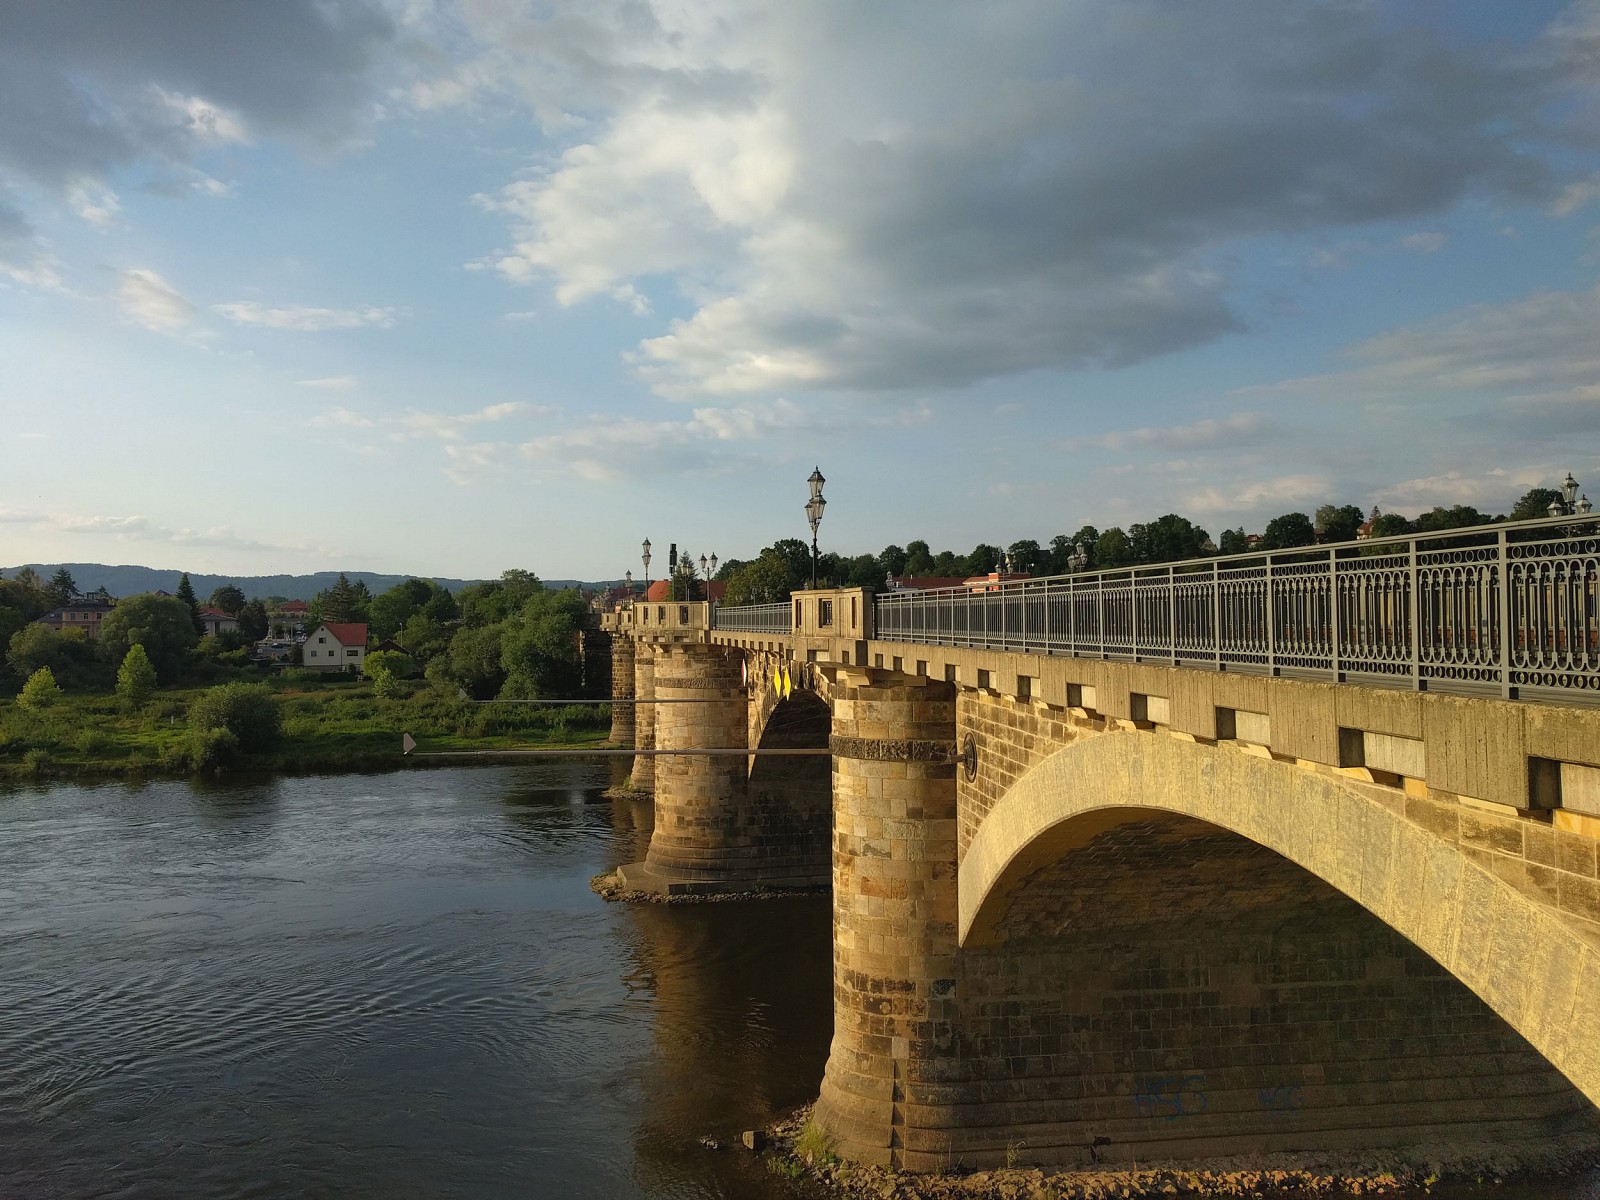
(814, 507)
(1569, 503)
(708, 570)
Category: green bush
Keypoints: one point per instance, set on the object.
(93, 743)
(202, 750)
(246, 710)
(40, 691)
(136, 678)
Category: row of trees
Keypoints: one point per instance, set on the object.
(786, 565)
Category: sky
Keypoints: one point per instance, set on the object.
(454, 286)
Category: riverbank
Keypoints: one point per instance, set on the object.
(799, 1150)
(338, 725)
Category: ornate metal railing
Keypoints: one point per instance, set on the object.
(1497, 608)
(754, 618)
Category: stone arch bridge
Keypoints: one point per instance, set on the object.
(1099, 907)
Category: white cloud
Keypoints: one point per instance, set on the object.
(140, 528)
(1253, 494)
(844, 214)
(450, 426)
(1576, 196)
(306, 319)
(206, 123)
(1424, 243)
(710, 441)
(94, 202)
(332, 383)
(1545, 343)
(1486, 490)
(151, 301)
(341, 418)
(1234, 429)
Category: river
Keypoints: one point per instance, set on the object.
(383, 986)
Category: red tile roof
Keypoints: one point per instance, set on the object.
(295, 606)
(660, 589)
(347, 633)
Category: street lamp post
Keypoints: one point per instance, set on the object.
(708, 569)
(646, 557)
(1569, 503)
(814, 507)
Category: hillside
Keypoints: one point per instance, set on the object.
(130, 580)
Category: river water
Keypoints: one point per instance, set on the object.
(383, 985)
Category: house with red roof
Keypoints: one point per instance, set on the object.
(336, 646)
(661, 590)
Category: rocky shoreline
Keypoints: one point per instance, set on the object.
(792, 1152)
(608, 886)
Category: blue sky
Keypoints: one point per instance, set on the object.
(406, 285)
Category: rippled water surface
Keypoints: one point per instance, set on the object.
(393, 985)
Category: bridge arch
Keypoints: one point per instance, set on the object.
(1531, 965)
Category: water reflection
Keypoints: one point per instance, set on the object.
(389, 985)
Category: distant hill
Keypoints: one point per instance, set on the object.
(129, 580)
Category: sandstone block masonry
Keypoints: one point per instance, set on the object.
(894, 903)
(642, 777)
(622, 683)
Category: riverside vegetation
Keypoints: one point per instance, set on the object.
(151, 695)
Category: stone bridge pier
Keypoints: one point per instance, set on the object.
(725, 822)
(622, 689)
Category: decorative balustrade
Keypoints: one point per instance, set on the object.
(755, 618)
(1499, 607)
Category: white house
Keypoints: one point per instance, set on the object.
(336, 647)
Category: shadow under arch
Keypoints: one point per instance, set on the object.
(790, 800)
(1527, 962)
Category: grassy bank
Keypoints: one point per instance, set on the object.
(327, 726)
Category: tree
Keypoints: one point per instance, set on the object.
(158, 623)
(136, 678)
(1338, 522)
(983, 559)
(1234, 541)
(340, 604)
(253, 620)
(400, 666)
(423, 637)
(35, 646)
(62, 587)
(1027, 557)
(1288, 531)
(186, 594)
(1389, 525)
(1535, 503)
(229, 599)
(893, 560)
(767, 580)
(246, 710)
(40, 691)
(919, 561)
(1457, 516)
(474, 660)
(1167, 539)
(539, 650)
(1113, 549)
